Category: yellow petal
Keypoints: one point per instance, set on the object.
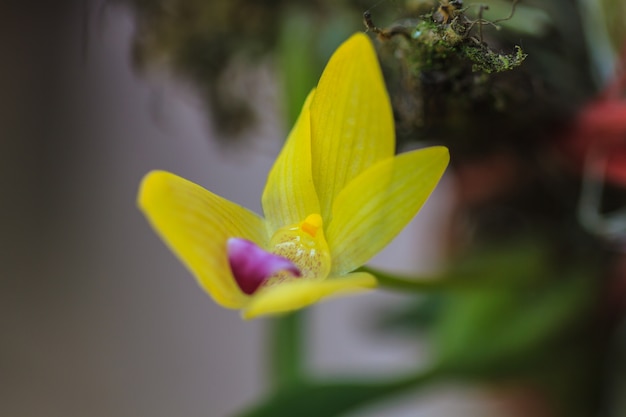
(376, 206)
(296, 294)
(289, 195)
(351, 119)
(195, 224)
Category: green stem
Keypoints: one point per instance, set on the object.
(300, 73)
(287, 349)
(406, 284)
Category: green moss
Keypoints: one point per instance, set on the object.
(488, 61)
(434, 45)
(449, 82)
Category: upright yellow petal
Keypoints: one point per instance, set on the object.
(376, 206)
(195, 224)
(301, 293)
(351, 119)
(289, 194)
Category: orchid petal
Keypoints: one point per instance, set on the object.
(289, 194)
(376, 206)
(297, 294)
(196, 224)
(252, 266)
(351, 119)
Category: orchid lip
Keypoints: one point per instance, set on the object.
(252, 266)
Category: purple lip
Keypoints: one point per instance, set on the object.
(252, 266)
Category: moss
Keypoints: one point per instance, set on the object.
(436, 45)
(488, 61)
(448, 81)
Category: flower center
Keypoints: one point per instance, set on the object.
(303, 244)
(296, 251)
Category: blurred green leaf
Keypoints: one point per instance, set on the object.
(500, 330)
(334, 398)
(422, 315)
(503, 267)
(500, 307)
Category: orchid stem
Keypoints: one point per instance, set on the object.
(300, 74)
(407, 284)
(287, 349)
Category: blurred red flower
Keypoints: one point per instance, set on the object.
(596, 139)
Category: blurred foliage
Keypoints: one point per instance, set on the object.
(320, 398)
(202, 40)
(517, 312)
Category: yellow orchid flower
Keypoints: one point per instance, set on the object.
(335, 197)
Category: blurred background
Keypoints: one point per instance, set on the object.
(99, 319)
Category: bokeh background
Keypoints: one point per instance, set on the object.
(97, 318)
